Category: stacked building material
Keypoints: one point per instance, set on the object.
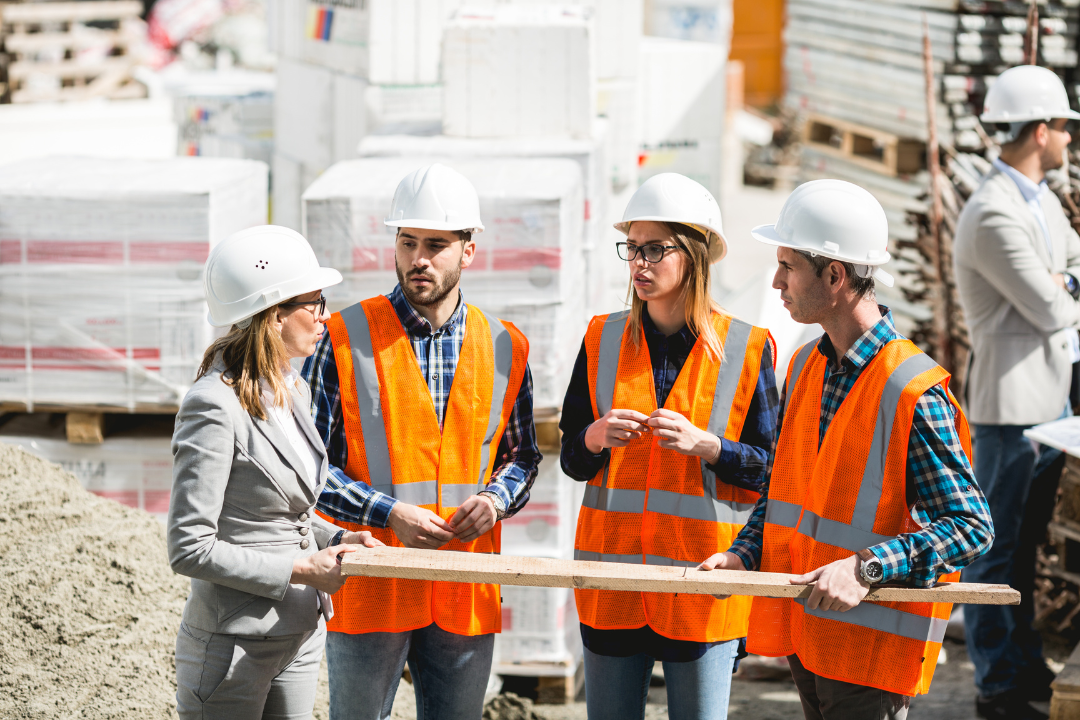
(224, 114)
(856, 75)
(101, 296)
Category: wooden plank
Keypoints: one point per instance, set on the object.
(69, 11)
(85, 428)
(139, 409)
(22, 69)
(36, 42)
(413, 564)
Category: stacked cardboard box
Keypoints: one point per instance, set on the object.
(101, 297)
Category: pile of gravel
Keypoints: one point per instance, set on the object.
(89, 607)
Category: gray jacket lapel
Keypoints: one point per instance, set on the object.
(1023, 210)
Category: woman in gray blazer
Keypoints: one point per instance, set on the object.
(248, 467)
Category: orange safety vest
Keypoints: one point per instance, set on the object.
(659, 507)
(395, 445)
(827, 504)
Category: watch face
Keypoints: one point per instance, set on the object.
(873, 570)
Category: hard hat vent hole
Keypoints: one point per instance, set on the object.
(261, 265)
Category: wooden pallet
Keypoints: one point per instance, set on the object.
(873, 149)
(86, 424)
(1065, 702)
(560, 688)
(43, 42)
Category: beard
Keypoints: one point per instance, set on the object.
(439, 290)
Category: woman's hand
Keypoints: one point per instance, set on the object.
(361, 538)
(679, 434)
(615, 429)
(322, 570)
(474, 517)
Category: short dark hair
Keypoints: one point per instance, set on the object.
(863, 286)
(1021, 137)
(464, 235)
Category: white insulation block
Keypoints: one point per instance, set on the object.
(519, 71)
(101, 295)
(383, 41)
(682, 109)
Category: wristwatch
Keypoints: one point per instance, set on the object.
(500, 509)
(870, 568)
(1072, 286)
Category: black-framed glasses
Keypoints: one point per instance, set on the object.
(652, 252)
(320, 301)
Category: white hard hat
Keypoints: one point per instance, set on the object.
(258, 268)
(1026, 93)
(435, 197)
(837, 220)
(671, 197)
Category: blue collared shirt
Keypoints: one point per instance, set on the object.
(437, 353)
(948, 503)
(1032, 193)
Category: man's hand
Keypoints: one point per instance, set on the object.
(838, 587)
(322, 570)
(1059, 280)
(722, 561)
(679, 434)
(361, 538)
(473, 518)
(615, 429)
(416, 527)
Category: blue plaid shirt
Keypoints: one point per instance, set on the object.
(940, 483)
(437, 353)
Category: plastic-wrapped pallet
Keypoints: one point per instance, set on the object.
(698, 20)
(682, 109)
(384, 41)
(101, 298)
(224, 114)
(529, 264)
(590, 155)
(135, 471)
(519, 71)
(540, 633)
(320, 115)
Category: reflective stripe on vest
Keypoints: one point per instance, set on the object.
(691, 507)
(652, 505)
(368, 398)
(886, 619)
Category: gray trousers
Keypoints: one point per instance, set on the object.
(235, 677)
(825, 699)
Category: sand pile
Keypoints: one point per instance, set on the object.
(88, 605)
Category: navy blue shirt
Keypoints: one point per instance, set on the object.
(740, 463)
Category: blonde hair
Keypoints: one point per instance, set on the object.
(698, 303)
(251, 354)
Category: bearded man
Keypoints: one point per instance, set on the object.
(408, 392)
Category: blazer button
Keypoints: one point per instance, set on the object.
(302, 517)
(303, 530)
(304, 544)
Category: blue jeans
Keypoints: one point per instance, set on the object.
(1020, 479)
(617, 688)
(449, 673)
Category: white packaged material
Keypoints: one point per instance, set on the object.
(618, 101)
(540, 633)
(519, 71)
(698, 20)
(101, 298)
(97, 128)
(383, 41)
(133, 471)
(589, 154)
(223, 114)
(682, 109)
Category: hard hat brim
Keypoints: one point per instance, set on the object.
(1068, 114)
(317, 279)
(432, 225)
(717, 250)
(767, 234)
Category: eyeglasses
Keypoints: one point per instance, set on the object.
(652, 252)
(321, 302)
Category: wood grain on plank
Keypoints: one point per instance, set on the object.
(413, 564)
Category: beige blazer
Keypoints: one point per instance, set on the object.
(241, 512)
(1018, 317)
